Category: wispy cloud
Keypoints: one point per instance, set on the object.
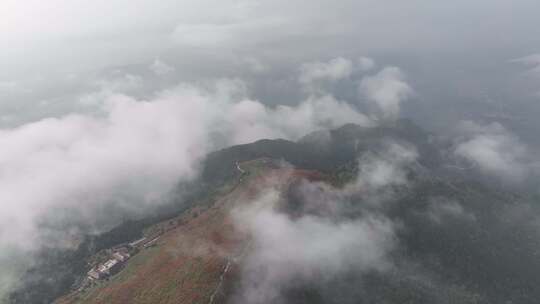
(161, 68)
(335, 69)
(386, 90)
(494, 149)
(128, 155)
(331, 232)
(308, 250)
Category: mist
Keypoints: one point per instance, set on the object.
(333, 232)
(106, 107)
(83, 173)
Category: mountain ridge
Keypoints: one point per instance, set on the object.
(454, 234)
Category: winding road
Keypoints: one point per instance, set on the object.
(240, 169)
(221, 278)
(226, 269)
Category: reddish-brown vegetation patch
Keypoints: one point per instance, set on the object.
(186, 264)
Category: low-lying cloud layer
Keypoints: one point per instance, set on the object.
(386, 167)
(494, 150)
(398, 230)
(93, 116)
(335, 69)
(333, 232)
(308, 250)
(128, 153)
(75, 169)
(386, 89)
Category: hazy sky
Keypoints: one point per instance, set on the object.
(76, 34)
(85, 83)
(53, 51)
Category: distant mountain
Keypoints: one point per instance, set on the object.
(325, 150)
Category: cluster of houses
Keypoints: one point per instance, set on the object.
(111, 266)
(120, 254)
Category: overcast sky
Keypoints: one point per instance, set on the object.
(79, 33)
(53, 51)
(84, 83)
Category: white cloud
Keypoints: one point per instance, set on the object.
(130, 154)
(532, 63)
(383, 92)
(117, 84)
(335, 69)
(386, 90)
(366, 64)
(386, 168)
(161, 68)
(255, 65)
(380, 172)
(494, 149)
(322, 240)
(530, 60)
(308, 249)
(251, 120)
(64, 160)
(120, 83)
(441, 209)
(77, 165)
